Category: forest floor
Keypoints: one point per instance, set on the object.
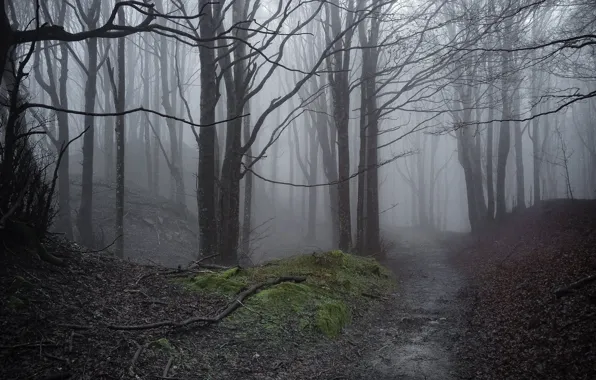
(463, 308)
(521, 324)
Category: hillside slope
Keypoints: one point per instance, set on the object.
(521, 325)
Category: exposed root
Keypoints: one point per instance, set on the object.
(209, 320)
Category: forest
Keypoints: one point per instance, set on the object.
(445, 114)
(224, 134)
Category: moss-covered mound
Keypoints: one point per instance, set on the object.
(335, 284)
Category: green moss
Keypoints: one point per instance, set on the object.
(226, 282)
(335, 282)
(331, 318)
(163, 344)
(285, 296)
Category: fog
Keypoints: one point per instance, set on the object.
(276, 127)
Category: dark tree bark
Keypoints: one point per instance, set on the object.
(339, 80)
(328, 144)
(208, 157)
(236, 89)
(519, 160)
(59, 98)
(169, 106)
(156, 123)
(85, 215)
(120, 133)
(434, 145)
(109, 127)
(535, 135)
(361, 196)
(313, 167)
(248, 189)
(504, 130)
(422, 216)
(490, 187)
(146, 128)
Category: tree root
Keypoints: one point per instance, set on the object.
(221, 315)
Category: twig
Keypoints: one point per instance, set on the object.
(104, 248)
(209, 320)
(214, 266)
(561, 292)
(29, 345)
(144, 277)
(74, 326)
(167, 369)
(155, 302)
(136, 291)
(140, 350)
(202, 259)
(49, 356)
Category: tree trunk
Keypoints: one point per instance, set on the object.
(120, 133)
(504, 130)
(340, 83)
(157, 125)
(327, 144)
(311, 235)
(147, 129)
(170, 109)
(64, 223)
(248, 188)
(85, 216)
(434, 145)
(207, 166)
(109, 126)
(422, 218)
(361, 196)
(490, 187)
(236, 89)
(519, 160)
(373, 233)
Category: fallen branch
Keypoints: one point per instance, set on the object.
(561, 292)
(154, 302)
(144, 277)
(29, 345)
(221, 315)
(200, 260)
(167, 369)
(73, 326)
(140, 350)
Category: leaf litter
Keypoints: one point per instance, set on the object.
(518, 328)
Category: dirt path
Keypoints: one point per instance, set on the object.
(418, 340)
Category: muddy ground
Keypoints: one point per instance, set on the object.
(416, 336)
